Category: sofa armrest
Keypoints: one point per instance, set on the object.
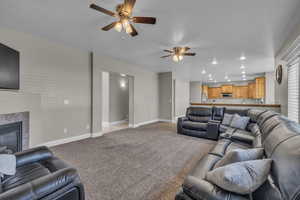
(204, 190)
(33, 155)
(179, 124)
(213, 129)
(41, 187)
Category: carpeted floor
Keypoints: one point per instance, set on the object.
(146, 163)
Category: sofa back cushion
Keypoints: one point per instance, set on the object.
(282, 145)
(218, 113)
(227, 119)
(199, 114)
(239, 122)
(254, 114)
(262, 118)
(241, 112)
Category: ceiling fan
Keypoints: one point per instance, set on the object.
(124, 15)
(178, 53)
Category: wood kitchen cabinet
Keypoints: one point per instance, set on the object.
(240, 92)
(260, 87)
(251, 90)
(227, 89)
(214, 93)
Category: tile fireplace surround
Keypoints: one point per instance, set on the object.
(18, 117)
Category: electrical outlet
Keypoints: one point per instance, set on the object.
(66, 102)
(65, 130)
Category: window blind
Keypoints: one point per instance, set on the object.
(293, 92)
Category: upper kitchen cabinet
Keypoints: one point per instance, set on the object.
(214, 93)
(227, 89)
(260, 87)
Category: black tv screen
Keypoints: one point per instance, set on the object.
(9, 68)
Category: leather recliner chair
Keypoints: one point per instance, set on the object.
(201, 122)
(41, 176)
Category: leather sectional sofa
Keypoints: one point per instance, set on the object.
(280, 139)
(42, 176)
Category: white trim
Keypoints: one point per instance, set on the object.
(117, 122)
(165, 120)
(66, 140)
(145, 123)
(105, 124)
(95, 135)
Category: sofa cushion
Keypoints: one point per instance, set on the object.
(262, 118)
(240, 155)
(221, 147)
(24, 175)
(206, 164)
(255, 130)
(239, 122)
(237, 145)
(199, 114)
(243, 136)
(227, 119)
(194, 125)
(254, 114)
(218, 113)
(224, 128)
(198, 189)
(270, 124)
(241, 177)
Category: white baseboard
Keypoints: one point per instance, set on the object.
(117, 122)
(165, 120)
(145, 123)
(105, 124)
(66, 140)
(95, 135)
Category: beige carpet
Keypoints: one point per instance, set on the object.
(146, 163)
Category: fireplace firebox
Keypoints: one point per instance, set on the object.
(11, 136)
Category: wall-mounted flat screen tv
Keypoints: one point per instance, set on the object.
(9, 68)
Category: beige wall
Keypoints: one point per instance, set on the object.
(50, 74)
(281, 90)
(182, 97)
(145, 83)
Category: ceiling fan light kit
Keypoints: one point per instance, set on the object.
(125, 19)
(177, 53)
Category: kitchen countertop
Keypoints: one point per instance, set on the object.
(238, 105)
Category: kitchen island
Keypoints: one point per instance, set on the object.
(275, 107)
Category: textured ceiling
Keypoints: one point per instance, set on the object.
(213, 28)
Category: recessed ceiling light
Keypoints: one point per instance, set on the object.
(243, 57)
(203, 71)
(214, 62)
(244, 79)
(226, 77)
(123, 75)
(243, 72)
(243, 67)
(209, 75)
(244, 76)
(229, 80)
